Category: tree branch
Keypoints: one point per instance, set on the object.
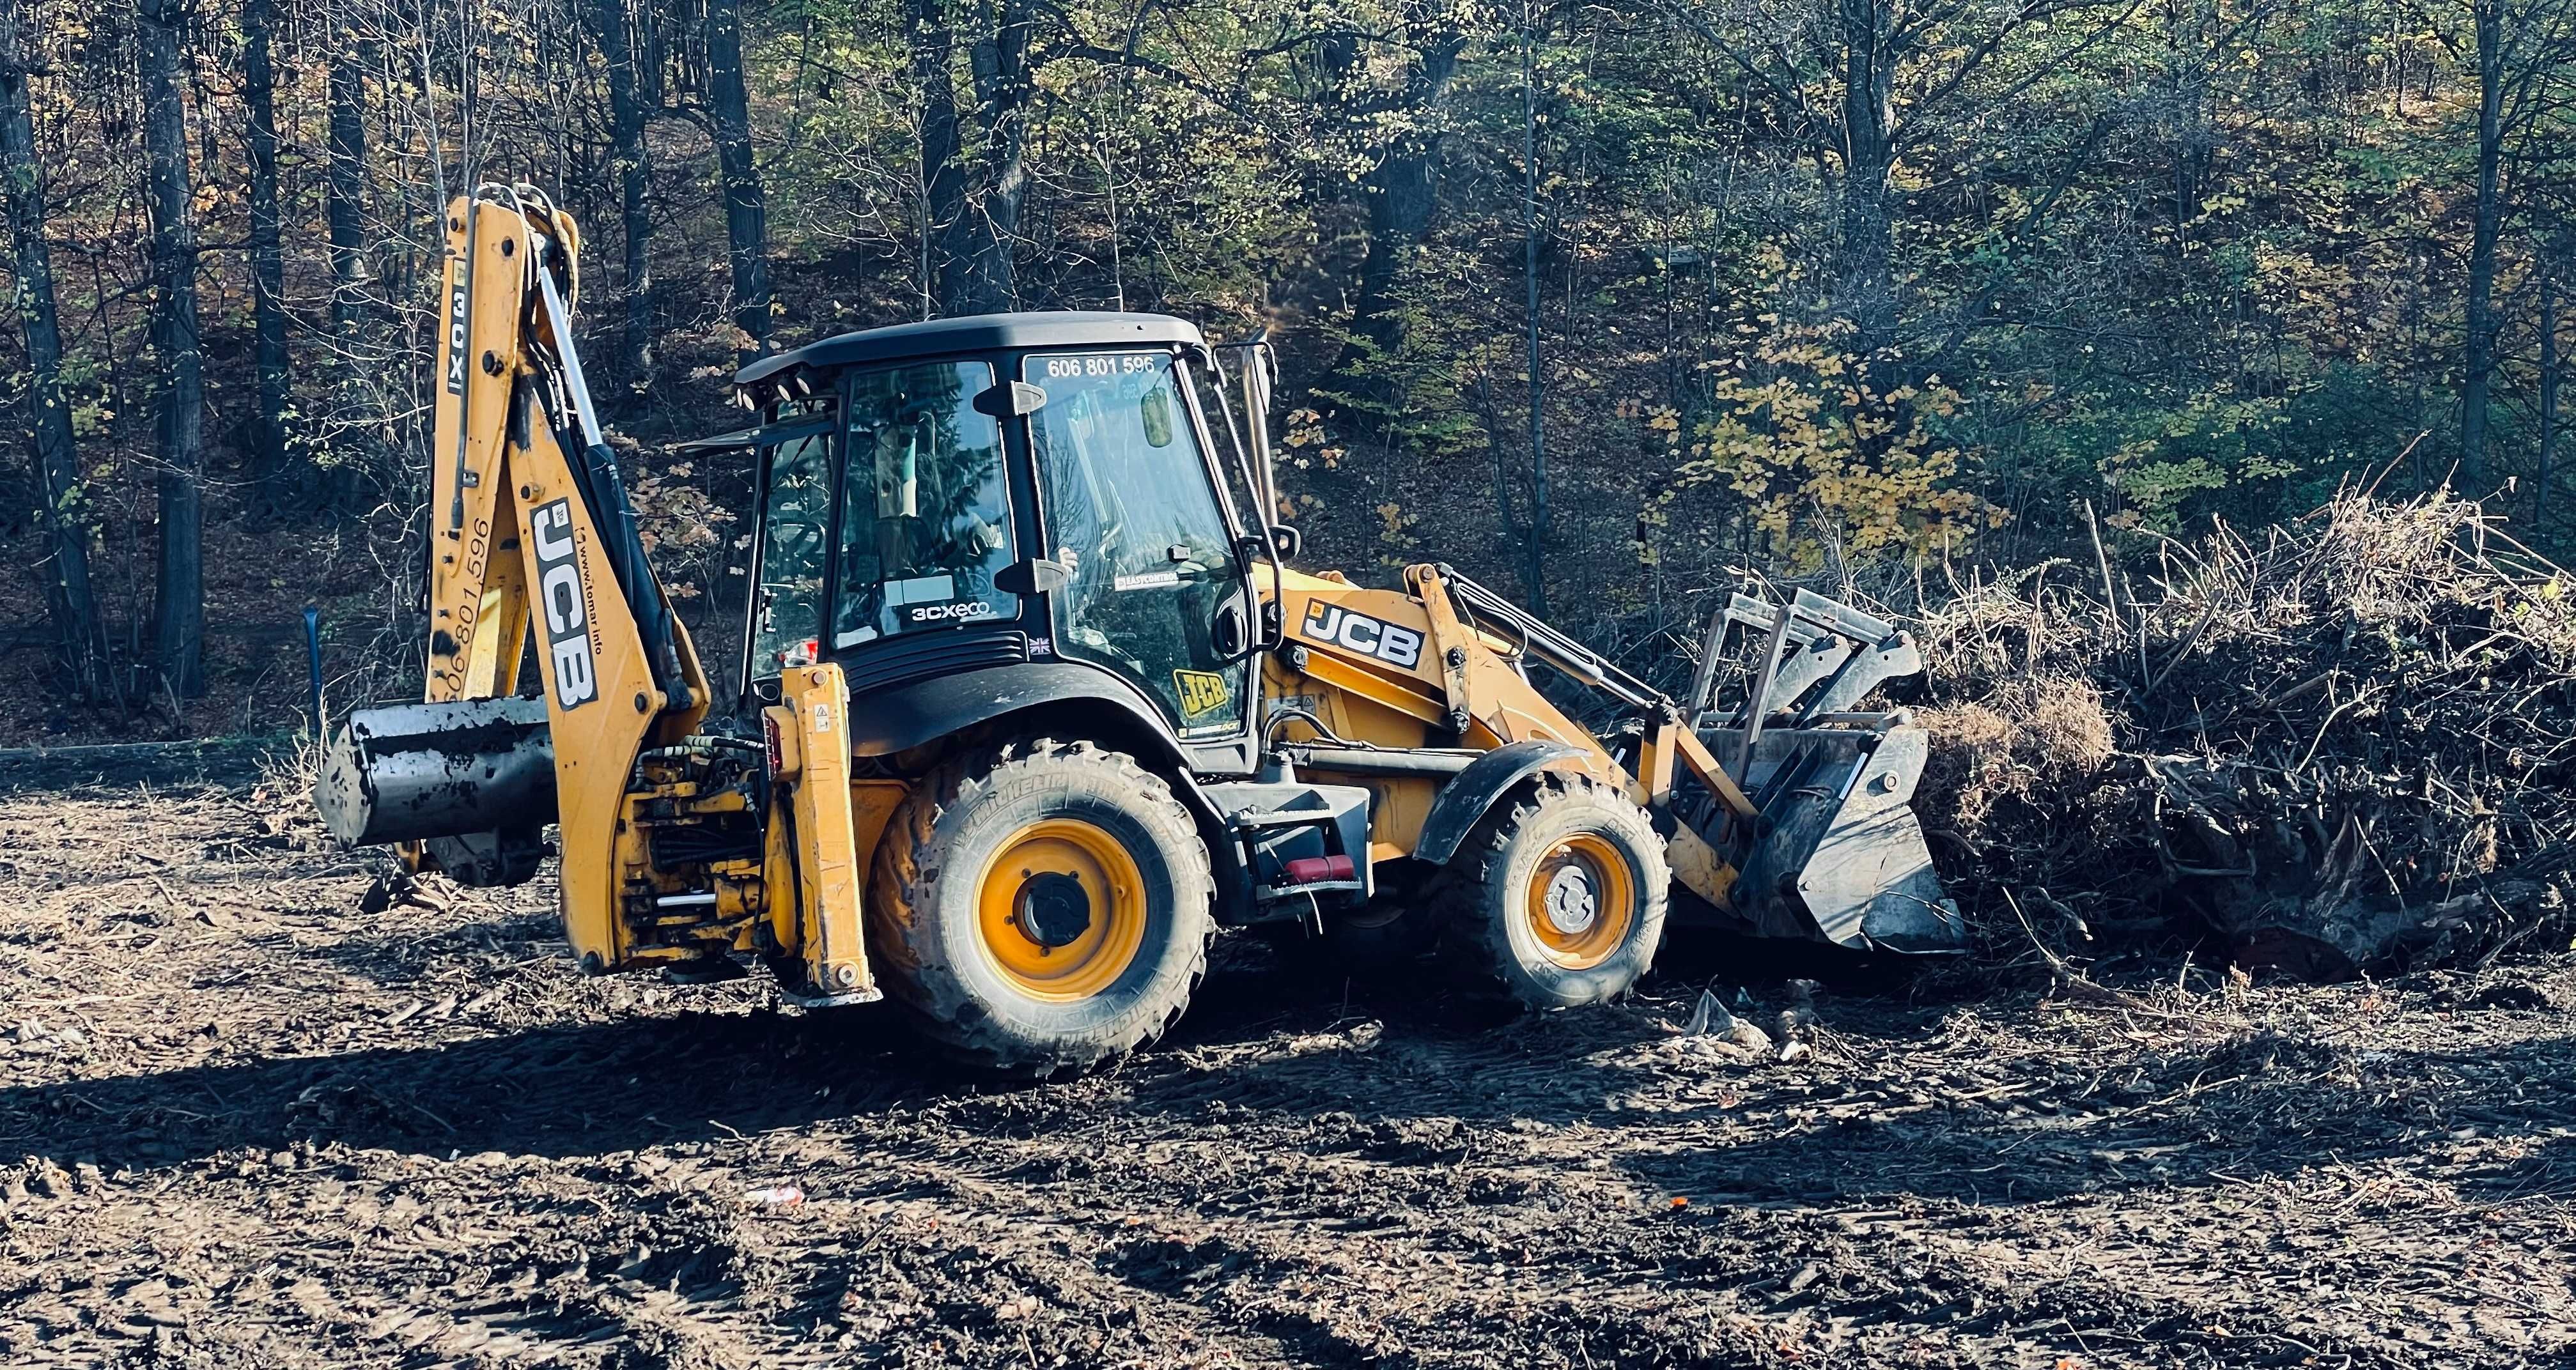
(1709, 35)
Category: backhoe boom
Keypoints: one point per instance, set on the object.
(532, 529)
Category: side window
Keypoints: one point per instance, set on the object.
(925, 511)
(787, 601)
(1131, 513)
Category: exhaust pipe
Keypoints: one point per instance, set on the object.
(473, 779)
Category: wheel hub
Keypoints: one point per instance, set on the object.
(1053, 909)
(1572, 905)
(1061, 909)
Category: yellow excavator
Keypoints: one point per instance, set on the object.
(1032, 702)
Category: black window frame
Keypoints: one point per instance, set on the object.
(766, 440)
(1019, 511)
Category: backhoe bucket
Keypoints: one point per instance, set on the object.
(1839, 855)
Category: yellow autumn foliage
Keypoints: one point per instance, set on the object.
(1825, 461)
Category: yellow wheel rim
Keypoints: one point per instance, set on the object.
(1061, 909)
(1582, 901)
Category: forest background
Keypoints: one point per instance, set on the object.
(1611, 305)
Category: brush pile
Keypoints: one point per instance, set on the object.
(2345, 744)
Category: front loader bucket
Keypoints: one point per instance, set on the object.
(1838, 855)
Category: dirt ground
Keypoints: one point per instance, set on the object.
(244, 1125)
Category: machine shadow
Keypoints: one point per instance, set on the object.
(400, 958)
(1399, 1073)
(570, 1089)
(556, 1091)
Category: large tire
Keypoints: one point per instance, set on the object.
(1557, 898)
(1041, 909)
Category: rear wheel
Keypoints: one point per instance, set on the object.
(1042, 909)
(1558, 898)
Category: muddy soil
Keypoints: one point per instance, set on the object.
(243, 1124)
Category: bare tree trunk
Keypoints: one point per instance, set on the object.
(1867, 275)
(345, 178)
(267, 256)
(2487, 227)
(1538, 529)
(80, 639)
(943, 176)
(1003, 84)
(626, 114)
(1403, 190)
(746, 213)
(2553, 260)
(344, 213)
(179, 601)
(972, 216)
(1403, 195)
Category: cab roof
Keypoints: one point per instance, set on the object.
(971, 333)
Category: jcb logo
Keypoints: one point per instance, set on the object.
(1367, 636)
(1202, 693)
(457, 311)
(567, 605)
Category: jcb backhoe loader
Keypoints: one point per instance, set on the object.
(1031, 701)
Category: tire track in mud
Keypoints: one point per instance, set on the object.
(242, 1124)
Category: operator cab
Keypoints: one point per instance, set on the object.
(953, 497)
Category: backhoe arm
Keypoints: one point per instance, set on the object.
(529, 520)
(679, 845)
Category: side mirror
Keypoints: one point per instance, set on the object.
(1286, 539)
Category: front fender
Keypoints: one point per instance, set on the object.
(1467, 796)
(886, 721)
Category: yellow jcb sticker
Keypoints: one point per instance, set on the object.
(1202, 692)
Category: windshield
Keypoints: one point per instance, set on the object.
(925, 517)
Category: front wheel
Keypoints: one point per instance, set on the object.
(1042, 909)
(1557, 900)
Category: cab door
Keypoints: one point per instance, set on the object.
(1154, 590)
(783, 615)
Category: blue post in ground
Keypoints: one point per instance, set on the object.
(313, 661)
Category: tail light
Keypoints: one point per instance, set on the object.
(1316, 870)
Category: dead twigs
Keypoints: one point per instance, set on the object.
(2400, 668)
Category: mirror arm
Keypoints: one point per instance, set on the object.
(1272, 633)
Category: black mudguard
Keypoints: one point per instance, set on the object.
(1472, 792)
(901, 717)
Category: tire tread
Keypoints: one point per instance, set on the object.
(903, 888)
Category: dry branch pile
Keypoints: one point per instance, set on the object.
(2346, 743)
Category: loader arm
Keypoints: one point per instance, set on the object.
(1418, 654)
(1440, 669)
